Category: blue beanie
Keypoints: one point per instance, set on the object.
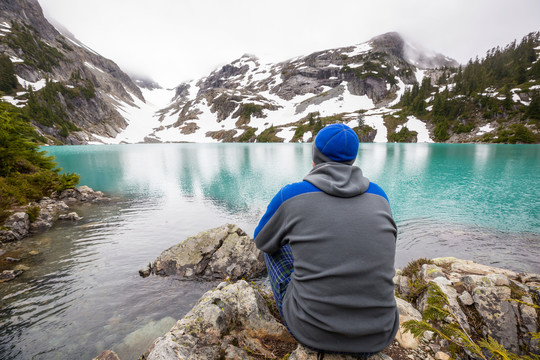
(335, 142)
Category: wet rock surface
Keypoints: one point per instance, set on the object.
(216, 254)
(234, 320)
(46, 212)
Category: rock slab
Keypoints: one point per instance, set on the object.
(487, 301)
(216, 254)
(231, 321)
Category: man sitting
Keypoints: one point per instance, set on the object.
(329, 244)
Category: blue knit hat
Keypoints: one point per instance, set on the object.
(335, 142)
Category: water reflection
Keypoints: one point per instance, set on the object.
(484, 185)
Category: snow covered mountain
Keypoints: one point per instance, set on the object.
(249, 101)
(79, 97)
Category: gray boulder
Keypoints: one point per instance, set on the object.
(16, 227)
(220, 253)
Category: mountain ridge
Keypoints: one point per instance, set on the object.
(38, 51)
(80, 97)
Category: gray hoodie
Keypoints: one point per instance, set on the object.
(343, 238)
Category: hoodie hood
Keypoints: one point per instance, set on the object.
(338, 179)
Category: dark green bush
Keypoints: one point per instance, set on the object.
(26, 173)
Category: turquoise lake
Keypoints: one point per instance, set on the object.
(82, 293)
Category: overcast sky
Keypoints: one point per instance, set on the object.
(172, 41)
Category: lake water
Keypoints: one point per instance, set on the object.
(83, 294)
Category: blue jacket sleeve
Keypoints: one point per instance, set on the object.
(269, 233)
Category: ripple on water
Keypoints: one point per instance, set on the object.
(428, 238)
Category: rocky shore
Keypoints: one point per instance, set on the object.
(40, 216)
(239, 320)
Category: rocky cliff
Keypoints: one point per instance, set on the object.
(85, 91)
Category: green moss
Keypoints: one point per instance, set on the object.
(417, 285)
(248, 135)
(33, 213)
(269, 135)
(414, 267)
(516, 292)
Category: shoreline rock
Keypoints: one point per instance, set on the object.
(237, 320)
(38, 217)
(487, 301)
(226, 252)
(46, 212)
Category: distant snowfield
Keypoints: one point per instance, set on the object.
(485, 129)
(143, 120)
(419, 126)
(141, 116)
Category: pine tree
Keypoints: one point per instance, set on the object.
(533, 112)
(8, 80)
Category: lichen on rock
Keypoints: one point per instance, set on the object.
(216, 254)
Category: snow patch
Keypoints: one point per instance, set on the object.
(345, 102)
(15, 59)
(287, 133)
(401, 90)
(414, 124)
(377, 122)
(91, 66)
(38, 85)
(359, 49)
(485, 129)
(420, 75)
(13, 101)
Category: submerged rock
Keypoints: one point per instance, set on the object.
(73, 216)
(220, 253)
(8, 275)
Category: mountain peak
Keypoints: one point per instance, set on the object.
(396, 44)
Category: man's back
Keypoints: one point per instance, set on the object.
(341, 292)
(340, 229)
